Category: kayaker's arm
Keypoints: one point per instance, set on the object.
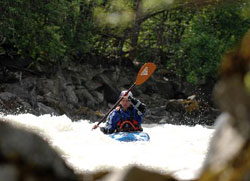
(110, 125)
(138, 105)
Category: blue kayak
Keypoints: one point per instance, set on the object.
(130, 136)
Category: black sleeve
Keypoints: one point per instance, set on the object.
(138, 105)
(106, 131)
(103, 130)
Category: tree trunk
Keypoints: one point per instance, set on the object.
(135, 29)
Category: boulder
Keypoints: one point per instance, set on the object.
(135, 173)
(12, 104)
(228, 157)
(26, 156)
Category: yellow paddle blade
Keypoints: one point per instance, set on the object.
(145, 72)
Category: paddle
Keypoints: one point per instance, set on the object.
(145, 72)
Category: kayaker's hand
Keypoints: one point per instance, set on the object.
(104, 130)
(94, 127)
(118, 108)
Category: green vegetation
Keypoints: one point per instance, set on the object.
(187, 38)
(210, 33)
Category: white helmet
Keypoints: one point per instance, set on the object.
(123, 92)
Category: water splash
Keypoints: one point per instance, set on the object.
(176, 149)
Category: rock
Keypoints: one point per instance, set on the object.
(229, 151)
(70, 95)
(86, 97)
(12, 104)
(190, 112)
(111, 93)
(47, 86)
(26, 156)
(65, 88)
(99, 97)
(93, 85)
(82, 85)
(43, 109)
(134, 173)
(165, 88)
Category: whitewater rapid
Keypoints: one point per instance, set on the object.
(179, 150)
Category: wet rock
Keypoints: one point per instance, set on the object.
(26, 156)
(86, 97)
(111, 92)
(12, 104)
(229, 152)
(74, 86)
(134, 173)
(86, 113)
(43, 109)
(190, 112)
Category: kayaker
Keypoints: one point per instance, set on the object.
(127, 117)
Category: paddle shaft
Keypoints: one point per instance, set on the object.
(116, 104)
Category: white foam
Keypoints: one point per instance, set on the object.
(176, 149)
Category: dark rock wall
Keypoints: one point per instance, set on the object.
(84, 91)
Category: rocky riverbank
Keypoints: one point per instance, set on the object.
(87, 91)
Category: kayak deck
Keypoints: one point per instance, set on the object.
(130, 136)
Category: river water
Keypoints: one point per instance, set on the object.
(179, 150)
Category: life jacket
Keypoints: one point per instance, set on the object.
(129, 124)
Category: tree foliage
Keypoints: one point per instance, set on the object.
(44, 31)
(187, 37)
(210, 33)
(32, 28)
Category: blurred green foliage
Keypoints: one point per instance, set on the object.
(187, 38)
(210, 33)
(45, 31)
